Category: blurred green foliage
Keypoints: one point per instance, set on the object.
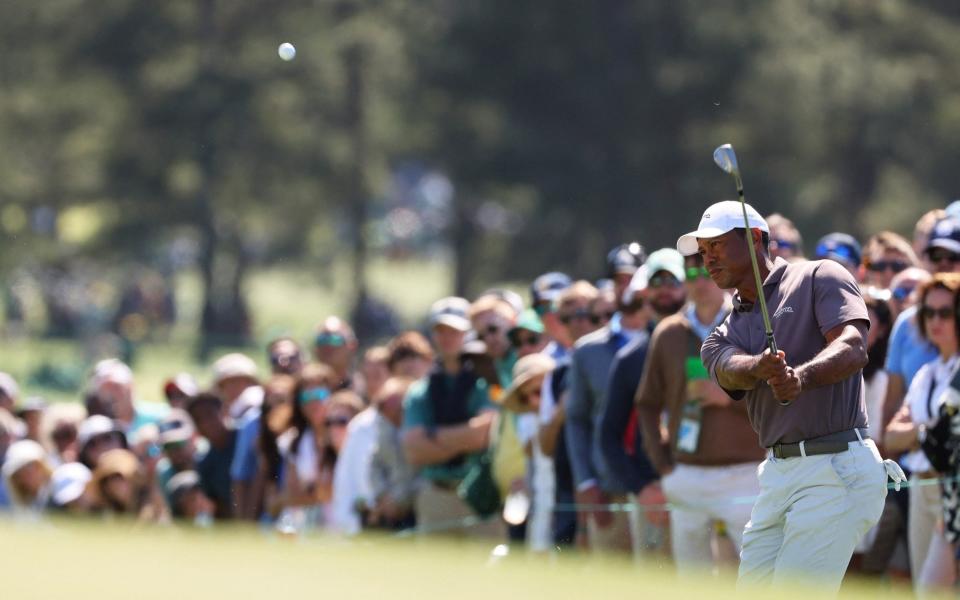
(565, 127)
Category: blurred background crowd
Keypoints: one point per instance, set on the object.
(575, 417)
(303, 293)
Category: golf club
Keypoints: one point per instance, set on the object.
(726, 159)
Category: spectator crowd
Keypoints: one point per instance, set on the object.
(581, 418)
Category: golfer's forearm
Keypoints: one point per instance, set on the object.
(734, 371)
(842, 358)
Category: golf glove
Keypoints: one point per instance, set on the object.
(895, 473)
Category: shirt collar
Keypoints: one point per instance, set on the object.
(773, 278)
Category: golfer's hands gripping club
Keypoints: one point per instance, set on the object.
(781, 378)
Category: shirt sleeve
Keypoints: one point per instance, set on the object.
(836, 297)
(243, 466)
(896, 351)
(415, 413)
(578, 430)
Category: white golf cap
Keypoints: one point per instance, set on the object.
(8, 386)
(717, 220)
(21, 454)
(68, 482)
(452, 312)
(112, 370)
(233, 365)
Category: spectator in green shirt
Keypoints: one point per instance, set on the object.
(446, 423)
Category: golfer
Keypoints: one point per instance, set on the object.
(823, 483)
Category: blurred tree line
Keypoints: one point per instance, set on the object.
(565, 127)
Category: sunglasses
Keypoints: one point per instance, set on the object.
(884, 265)
(330, 339)
(658, 281)
(317, 394)
(579, 314)
(783, 244)
(525, 340)
(944, 313)
(937, 256)
(337, 421)
(600, 318)
(694, 273)
(844, 253)
(173, 446)
(902, 293)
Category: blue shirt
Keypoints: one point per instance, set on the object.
(244, 464)
(908, 351)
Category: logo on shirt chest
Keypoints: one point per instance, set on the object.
(783, 310)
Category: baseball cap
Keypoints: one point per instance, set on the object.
(93, 426)
(181, 484)
(953, 209)
(946, 235)
(840, 247)
(638, 283)
(524, 370)
(21, 454)
(452, 312)
(32, 404)
(177, 427)
(625, 258)
(8, 386)
(183, 383)
(529, 320)
(68, 482)
(233, 365)
(717, 220)
(669, 260)
(113, 370)
(547, 287)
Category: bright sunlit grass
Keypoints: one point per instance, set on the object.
(99, 560)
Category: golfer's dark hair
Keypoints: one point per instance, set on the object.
(764, 238)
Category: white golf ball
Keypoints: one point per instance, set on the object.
(287, 51)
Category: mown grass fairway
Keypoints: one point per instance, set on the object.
(103, 561)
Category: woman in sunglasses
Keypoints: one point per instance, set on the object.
(309, 449)
(931, 559)
(885, 255)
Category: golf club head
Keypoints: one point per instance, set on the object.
(726, 159)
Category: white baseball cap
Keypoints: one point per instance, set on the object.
(452, 312)
(717, 220)
(68, 482)
(21, 454)
(8, 386)
(233, 365)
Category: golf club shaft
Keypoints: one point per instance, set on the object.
(771, 342)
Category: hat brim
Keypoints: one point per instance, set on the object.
(69, 492)
(945, 243)
(510, 399)
(687, 244)
(458, 323)
(175, 437)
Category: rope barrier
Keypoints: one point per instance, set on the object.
(625, 507)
